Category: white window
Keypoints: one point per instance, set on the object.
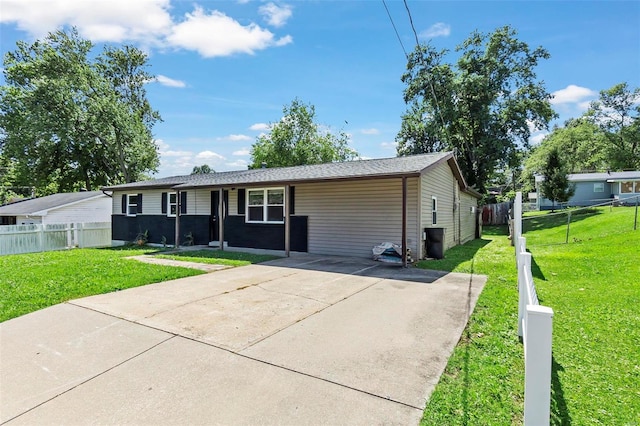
(434, 210)
(132, 204)
(172, 203)
(265, 205)
(598, 187)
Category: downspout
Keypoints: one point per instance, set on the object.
(221, 208)
(178, 207)
(287, 224)
(404, 221)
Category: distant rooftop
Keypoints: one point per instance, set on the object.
(34, 206)
(601, 176)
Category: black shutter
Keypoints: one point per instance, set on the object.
(226, 202)
(241, 201)
(292, 200)
(164, 203)
(139, 203)
(124, 203)
(183, 202)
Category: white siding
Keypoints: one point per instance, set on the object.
(349, 218)
(199, 202)
(151, 202)
(28, 220)
(440, 182)
(93, 210)
(468, 205)
(116, 202)
(233, 202)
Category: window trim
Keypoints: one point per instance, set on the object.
(265, 204)
(129, 205)
(434, 210)
(627, 182)
(598, 187)
(169, 203)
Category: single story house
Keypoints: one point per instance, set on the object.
(71, 207)
(341, 208)
(596, 188)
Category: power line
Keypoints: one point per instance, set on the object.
(433, 92)
(406, 6)
(395, 29)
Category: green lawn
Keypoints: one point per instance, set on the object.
(218, 257)
(593, 286)
(34, 281)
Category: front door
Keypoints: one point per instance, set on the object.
(214, 230)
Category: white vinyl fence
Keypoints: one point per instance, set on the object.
(16, 239)
(535, 326)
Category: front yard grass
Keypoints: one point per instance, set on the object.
(593, 286)
(34, 281)
(218, 257)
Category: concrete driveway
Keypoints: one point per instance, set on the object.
(300, 340)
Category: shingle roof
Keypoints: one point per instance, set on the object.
(382, 167)
(36, 205)
(582, 177)
(599, 177)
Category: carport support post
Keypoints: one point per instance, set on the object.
(221, 208)
(287, 224)
(177, 244)
(404, 221)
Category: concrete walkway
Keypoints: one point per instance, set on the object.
(207, 267)
(301, 340)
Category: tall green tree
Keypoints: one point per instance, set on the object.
(298, 140)
(617, 113)
(483, 107)
(202, 170)
(581, 145)
(556, 186)
(71, 120)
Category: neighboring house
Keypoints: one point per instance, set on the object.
(73, 207)
(596, 188)
(336, 208)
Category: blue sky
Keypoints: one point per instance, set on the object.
(226, 68)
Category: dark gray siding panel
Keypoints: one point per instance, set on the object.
(269, 236)
(125, 228)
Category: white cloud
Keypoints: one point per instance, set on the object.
(260, 127)
(216, 34)
(371, 131)
(389, 145)
(113, 20)
(209, 155)
(238, 164)
(235, 138)
(537, 138)
(170, 82)
(165, 150)
(148, 22)
(243, 151)
(439, 29)
(572, 94)
(275, 15)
